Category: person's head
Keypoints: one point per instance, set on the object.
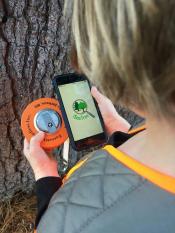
(128, 48)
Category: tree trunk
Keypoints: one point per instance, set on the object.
(34, 46)
(34, 43)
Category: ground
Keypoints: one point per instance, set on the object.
(18, 215)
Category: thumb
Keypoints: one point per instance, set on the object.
(37, 139)
(97, 95)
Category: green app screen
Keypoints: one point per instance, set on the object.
(80, 109)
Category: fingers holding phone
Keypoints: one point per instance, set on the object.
(112, 120)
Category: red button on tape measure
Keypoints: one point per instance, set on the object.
(44, 114)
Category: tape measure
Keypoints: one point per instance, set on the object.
(44, 115)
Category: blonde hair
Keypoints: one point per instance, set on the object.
(128, 48)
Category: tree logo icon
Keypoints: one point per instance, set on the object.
(80, 107)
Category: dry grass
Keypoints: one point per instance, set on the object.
(18, 215)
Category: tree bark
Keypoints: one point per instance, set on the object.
(34, 45)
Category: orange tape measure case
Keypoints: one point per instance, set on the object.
(45, 115)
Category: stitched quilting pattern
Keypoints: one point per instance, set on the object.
(93, 188)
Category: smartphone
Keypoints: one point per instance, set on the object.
(80, 111)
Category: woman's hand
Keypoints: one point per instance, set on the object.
(112, 120)
(42, 164)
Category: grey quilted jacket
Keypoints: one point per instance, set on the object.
(103, 196)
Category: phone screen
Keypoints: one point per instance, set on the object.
(80, 110)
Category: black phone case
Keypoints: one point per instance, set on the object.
(84, 146)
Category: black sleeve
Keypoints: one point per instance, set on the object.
(45, 188)
(118, 138)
